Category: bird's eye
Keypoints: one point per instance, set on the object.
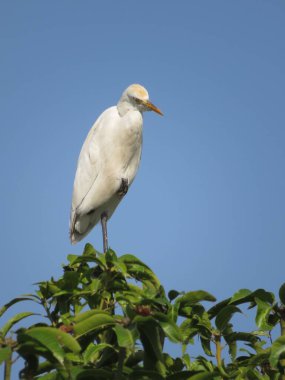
(137, 100)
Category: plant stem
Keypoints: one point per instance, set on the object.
(282, 326)
(122, 356)
(8, 367)
(218, 350)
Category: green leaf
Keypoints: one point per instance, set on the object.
(12, 321)
(225, 315)
(282, 293)
(139, 270)
(214, 311)
(150, 337)
(204, 324)
(70, 280)
(98, 374)
(194, 297)
(204, 376)
(87, 314)
(186, 360)
(12, 302)
(188, 330)
(184, 375)
(259, 359)
(54, 340)
(49, 344)
(50, 376)
(75, 358)
(245, 295)
(89, 255)
(203, 364)
(89, 250)
(98, 259)
(5, 354)
(144, 374)
(206, 345)
(48, 288)
(170, 329)
(93, 351)
(240, 295)
(129, 297)
(95, 322)
(241, 336)
(111, 258)
(263, 311)
(277, 351)
(263, 295)
(172, 294)
(124, 336)
(131, 259)
(121, 267)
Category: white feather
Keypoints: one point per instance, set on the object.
(110, 153)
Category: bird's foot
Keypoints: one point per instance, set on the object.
(124, 187)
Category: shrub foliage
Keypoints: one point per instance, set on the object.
(108, 317)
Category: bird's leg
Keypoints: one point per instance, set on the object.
(104, 231)
(124, 187)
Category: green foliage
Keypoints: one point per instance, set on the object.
(108, 317)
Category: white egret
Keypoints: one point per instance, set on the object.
(108, 162)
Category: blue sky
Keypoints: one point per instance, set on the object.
(207, 208)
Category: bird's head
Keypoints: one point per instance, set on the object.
(136, 97)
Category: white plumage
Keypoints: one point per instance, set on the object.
(108, 162)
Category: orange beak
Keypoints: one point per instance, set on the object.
(152, 107)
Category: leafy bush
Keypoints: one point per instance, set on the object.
(108, 317)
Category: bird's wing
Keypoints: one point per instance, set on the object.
(90, 160)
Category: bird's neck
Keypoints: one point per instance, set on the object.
(125, 106)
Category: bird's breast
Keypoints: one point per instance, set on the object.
(124, 147)
(130, 126)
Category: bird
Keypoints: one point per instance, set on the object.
(108, 163)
